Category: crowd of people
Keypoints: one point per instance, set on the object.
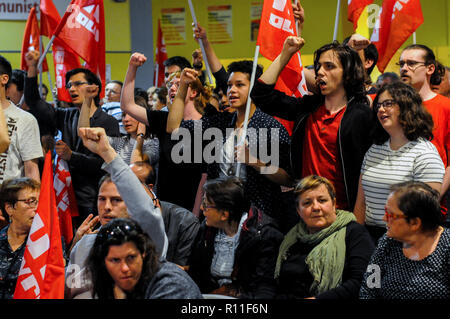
(193, 190)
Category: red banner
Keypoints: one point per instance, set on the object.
(50, 18)
(65, 199)
(160, 57)
(41, 274)
(83, 31)
(64, 59)
(354, 10)
(31, 40)
(397, 21)
(277, 23)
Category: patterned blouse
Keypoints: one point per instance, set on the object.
(391, 275)
(10, 262)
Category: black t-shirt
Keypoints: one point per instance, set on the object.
(177, 182)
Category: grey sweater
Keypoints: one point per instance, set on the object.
(171, 282)
(140, 208)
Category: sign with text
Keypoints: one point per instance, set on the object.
(173, 25)
(17, 9)
(220, 24)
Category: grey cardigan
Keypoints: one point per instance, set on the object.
(140, 207)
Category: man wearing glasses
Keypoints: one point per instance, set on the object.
(419, 69)
(84, 166)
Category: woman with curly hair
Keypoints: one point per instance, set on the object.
(401, 152)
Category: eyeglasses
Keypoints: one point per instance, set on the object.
(75, 84)
(386, 104)
(30, 202)
(391, 216)
(411, 64)
(206, 207)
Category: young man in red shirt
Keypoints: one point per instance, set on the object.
(331, 130)
(419, 68)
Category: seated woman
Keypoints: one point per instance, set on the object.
(19, 200)
(137, 134)
(412, 259)
(125, 265)
(325, 255)
(235, 250)
(401, 152)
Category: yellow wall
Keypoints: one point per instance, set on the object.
(318, 30)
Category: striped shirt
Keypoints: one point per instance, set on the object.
(382, 167)
(124, 146)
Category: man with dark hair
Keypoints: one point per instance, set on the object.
(14, 89)
(419, 68)
(331, 130)
(84, 166)
(111, 102)
(21, 158)
(175, 64)
(443, 88)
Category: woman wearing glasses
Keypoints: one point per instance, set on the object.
(402, 151)
(125, 265)
(236, 247)
(412, 259)
(19, 200)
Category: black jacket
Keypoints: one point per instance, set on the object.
(181, 227)
(84, 166)
(353, 139)
(254, 262)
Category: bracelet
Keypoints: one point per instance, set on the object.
(140, 135)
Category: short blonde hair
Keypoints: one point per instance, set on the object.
(312, 182)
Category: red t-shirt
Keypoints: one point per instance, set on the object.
(439, 108)
(320, 150)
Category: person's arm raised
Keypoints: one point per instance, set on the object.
(89, 95)
(176, 111)
(213, 60)
(291, 46)
(127, 103)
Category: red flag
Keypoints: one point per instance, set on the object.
(160, 57)
(277, 23)
(41, 274)
(354, 10)
(397, 21)
(63, 58)
(31, 40)
(82, 29)
(65, 199)
(50, 18)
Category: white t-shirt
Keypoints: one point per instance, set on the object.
(25, 143)
(382, 167)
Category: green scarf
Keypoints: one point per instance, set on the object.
(326, 261)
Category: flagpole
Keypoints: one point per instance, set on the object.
(208, 71)
(40, 68)
(414, 37)
(247, 108)
(156, 74)
(336, 20)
